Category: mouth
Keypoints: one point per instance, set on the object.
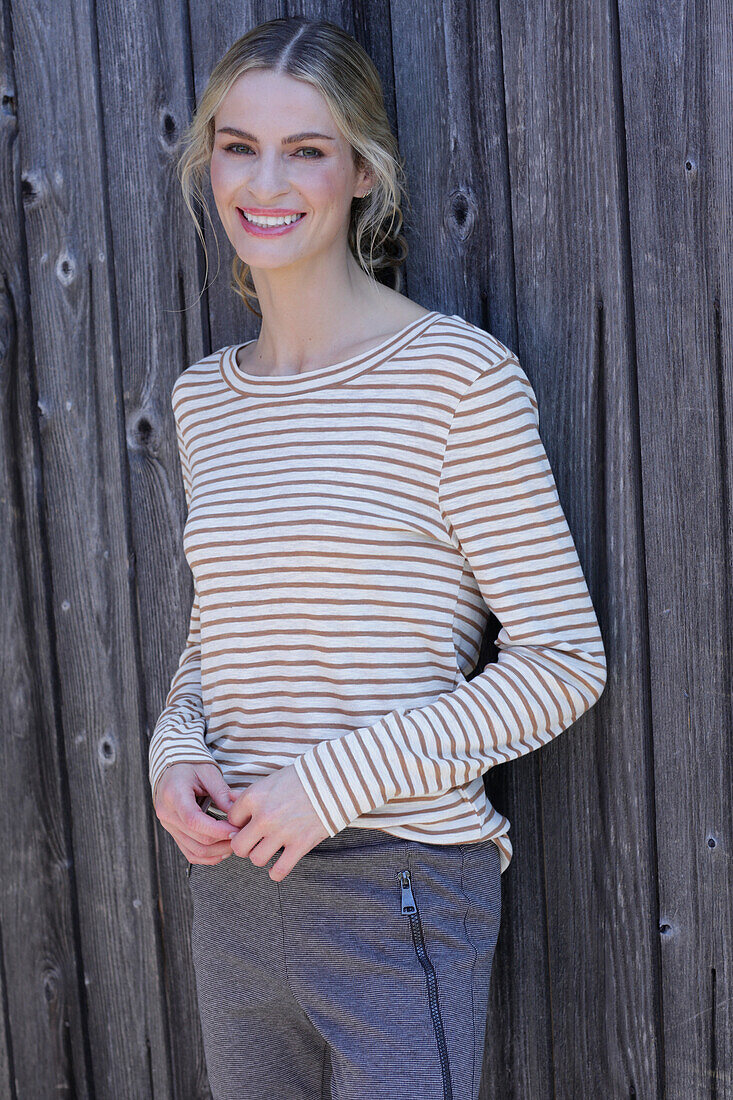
(274, 226)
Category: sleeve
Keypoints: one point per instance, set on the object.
(178, 736)
(500, 509)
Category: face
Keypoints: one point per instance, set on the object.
(277, 151)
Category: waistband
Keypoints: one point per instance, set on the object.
(355, 837)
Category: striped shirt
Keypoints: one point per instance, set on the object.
(348, 530)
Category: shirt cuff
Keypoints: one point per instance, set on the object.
(184, 751)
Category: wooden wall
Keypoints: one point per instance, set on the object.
(570, 169)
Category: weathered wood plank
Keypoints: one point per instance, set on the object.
(44, 1047)
(594, 846)
(85, 540)
(145, 64)
(678, 96)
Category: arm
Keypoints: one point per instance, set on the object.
(178, 736)
(501, 510)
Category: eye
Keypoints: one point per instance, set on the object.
(306, 149)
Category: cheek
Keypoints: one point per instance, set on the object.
(214, 173)
(224, 176)
(328, 191)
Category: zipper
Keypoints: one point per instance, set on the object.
(409, 907)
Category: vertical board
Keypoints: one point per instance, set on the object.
(678, 92)
(44, 1045)
(92, 700)
(570, 232)
(145, 65)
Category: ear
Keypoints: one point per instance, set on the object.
(367, 179)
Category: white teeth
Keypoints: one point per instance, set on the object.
(271, 221)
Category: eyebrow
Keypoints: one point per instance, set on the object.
(286, 141)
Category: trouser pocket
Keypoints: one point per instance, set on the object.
(408, 907)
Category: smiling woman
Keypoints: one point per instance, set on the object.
(348, 130)
(264, 217)
(365, 482)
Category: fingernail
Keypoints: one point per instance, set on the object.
(232, 835)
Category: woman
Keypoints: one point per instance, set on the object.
(364, 481)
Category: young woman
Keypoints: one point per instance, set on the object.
(364, 481)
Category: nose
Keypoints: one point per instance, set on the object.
(267, 179)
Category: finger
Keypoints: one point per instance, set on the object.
(210, 861)
(263, 852)
(246, 839)
(196, 823)
(221, 793)
(284, 865)
(194, 849)
(193, 857)
(210, 828)
(240, 812)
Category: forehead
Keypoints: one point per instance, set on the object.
(270, 101)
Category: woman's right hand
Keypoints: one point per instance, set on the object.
(201, 838)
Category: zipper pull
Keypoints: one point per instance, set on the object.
(406, 895)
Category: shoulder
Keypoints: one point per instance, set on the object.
(480, 366)
(483, 347)
(196, 380)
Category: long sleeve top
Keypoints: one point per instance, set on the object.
(348, 530)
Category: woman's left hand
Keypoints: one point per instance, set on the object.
(275, 812)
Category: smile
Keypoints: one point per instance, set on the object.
(268, 226)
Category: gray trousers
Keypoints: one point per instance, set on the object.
(363, 975)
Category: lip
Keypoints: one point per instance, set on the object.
(272, 231)
(268, 211)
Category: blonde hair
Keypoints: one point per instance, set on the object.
(326, 56)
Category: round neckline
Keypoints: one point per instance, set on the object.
(275, 385)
